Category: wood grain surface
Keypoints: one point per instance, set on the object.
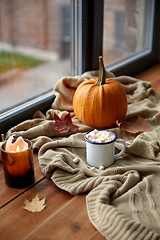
(65, 216)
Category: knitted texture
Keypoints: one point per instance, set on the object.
(123, 200)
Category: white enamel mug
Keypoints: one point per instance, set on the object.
(102, 154)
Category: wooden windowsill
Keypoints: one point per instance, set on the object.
(152, 75)
(65, 216)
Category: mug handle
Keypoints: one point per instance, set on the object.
(123, 149)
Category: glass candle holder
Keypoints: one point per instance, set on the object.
(18, 166)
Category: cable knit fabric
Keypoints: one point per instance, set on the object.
(123, 200)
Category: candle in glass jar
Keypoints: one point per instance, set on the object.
(17, 157)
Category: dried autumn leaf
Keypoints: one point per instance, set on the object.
(36, 205)
(64, 125)
(140, 126)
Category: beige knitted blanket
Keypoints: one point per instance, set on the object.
(123, 202)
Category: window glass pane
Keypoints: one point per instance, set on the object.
(34, 48)
(127, 29)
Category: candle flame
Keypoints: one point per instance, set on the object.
(17, 149)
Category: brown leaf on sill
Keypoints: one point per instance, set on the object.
(64, 125)
(140, 126)
(36, 205)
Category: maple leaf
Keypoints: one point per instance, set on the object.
(64, 125)
(35, 205)
(140, 126)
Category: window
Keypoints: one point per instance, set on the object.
(34, 48)
(34, 54)
(125, 32)
(127, 36)
(68, 38)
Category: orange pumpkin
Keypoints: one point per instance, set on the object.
(99, 103)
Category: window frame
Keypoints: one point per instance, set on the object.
(85, 57)
(24, 111)
(87, 41)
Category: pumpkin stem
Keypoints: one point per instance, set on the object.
(102, 73)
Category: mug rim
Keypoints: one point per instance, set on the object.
(26, 140)
(102, 143)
